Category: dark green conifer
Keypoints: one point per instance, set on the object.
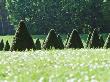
(75, 40)
(1, 45)
(88, 39)
(94, 41)
(7, 46)
(107, 42)
(61, 45)
(38, 44)
(101, 41)
(67, 38)
(51, 40)
(22, 39)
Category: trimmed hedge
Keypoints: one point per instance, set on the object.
(51, 40)
(22, 39)
(7, 46)
(75, 40)
(38, 44)
(94, 41)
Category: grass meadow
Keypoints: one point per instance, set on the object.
(68, 65)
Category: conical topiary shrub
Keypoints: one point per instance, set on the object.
(7, 46)
(107, 42)
(101, 41)
(88, 39)
(22, 39)
(75, 40)
(38, 44)
(94, 41)
(61, 45)
(51, 40)
(43, 43)
(1, 45)
(67, 38)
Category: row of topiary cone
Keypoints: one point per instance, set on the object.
(5, 47)
(95, 40)
(22, 40)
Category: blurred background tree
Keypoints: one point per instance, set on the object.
(62, 15)
(5, 25)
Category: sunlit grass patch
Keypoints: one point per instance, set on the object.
(56, 65)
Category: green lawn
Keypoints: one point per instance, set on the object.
(84, 65)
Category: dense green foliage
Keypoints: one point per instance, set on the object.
(62, 15)
(1, 45)
(61, 45)
(75, 40)
(5, 26)
(38, 44)
(22, 39)
(7, 46)
(88, 39)
(107, 42)
(106, 12)
(67, 38)
(101, 41)
(94, 41)
(52, 40)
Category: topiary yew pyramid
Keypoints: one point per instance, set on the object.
(43, 43)
(7, 46)
(51, 40)
(22, 39)
(88, 39)
(75, 40)
(1, 45)
(67, 38)
(38, 44)
(94, 41)
(107, 42)
(101, 41)
(61, 45)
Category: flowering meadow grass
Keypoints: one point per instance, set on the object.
(69, 65)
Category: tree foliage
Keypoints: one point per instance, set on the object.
(61, 15)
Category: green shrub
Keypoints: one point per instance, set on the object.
(67, 38)
(88, 39)
(107, 42)
(101, 41)
(38, 44)
(43, 43)
(51, 40)
(7, 46)
(22, 39)
(61, 45)
(94, 41)
(75, 40)
(1, 45)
